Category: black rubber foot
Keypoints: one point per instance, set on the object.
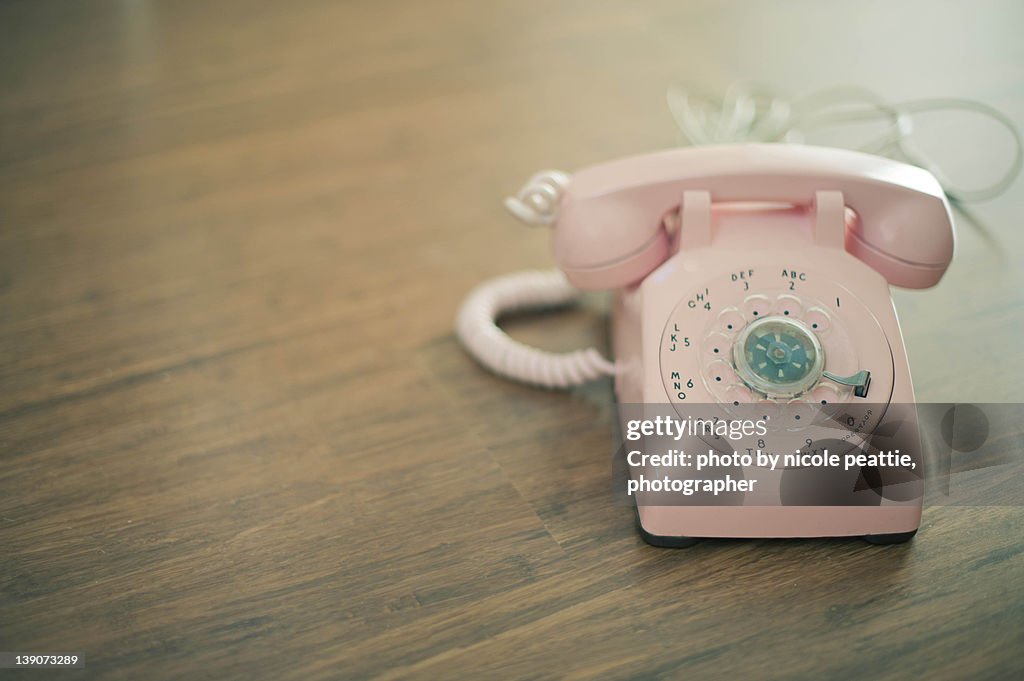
(896, 538)
(664, 542)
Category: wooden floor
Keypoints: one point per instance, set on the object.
(238, 439)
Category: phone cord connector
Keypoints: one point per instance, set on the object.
(537, 201)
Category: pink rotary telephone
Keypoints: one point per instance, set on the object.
(744, 274)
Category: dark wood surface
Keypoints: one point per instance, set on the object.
(238, 439)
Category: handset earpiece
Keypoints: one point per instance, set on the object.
(611, 241)
(599, 242)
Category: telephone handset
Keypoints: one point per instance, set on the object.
(610, 229)
(749, 278)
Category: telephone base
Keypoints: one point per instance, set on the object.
(662, 541)
(893, 538)
(670, 542)
(727, 531)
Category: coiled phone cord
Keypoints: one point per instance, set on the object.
(744, 115)
(506, 356)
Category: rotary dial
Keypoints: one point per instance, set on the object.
(778, 357)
